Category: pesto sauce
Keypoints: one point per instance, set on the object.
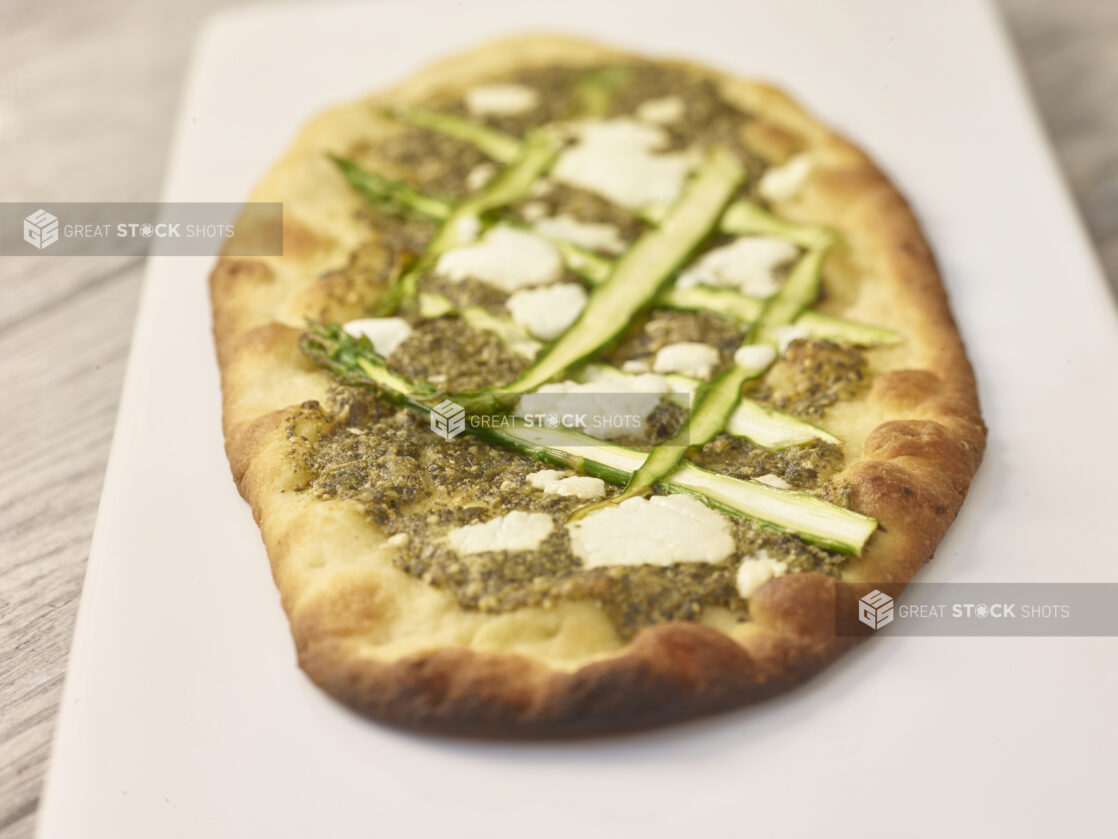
(662, 327)
(466, 292)
(810, 376)
(410, 481)
(455, 357)
(431, 162)
(808, 467)
(561, 200)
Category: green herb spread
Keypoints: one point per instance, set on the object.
(417, 486)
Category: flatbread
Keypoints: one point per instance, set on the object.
(391, 646)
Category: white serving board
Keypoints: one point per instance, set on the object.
(184, 714)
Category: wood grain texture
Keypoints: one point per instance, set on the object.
(1069, 52)
(87, 99)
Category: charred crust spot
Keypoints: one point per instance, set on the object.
(801, 605)
(230, 272)
(917, 500)
(853, 185)
(244, 269)
(906, 388)
(300, 241)
(877, 486)
(925, 444)
(909, 438)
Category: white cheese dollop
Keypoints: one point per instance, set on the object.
(501, 99)
(553, 482)
(596, 236)
(480, 175)
(757, 570)
(385, 333)
(773, 481)
(755, 356)
(547, 312)
(533, 211)
(748, 264)
(652, 531)
(617, 159)
(595, 372)
(515, 531)
(506, 258)
(688, 358)
(635, 374)
(662, 111)
(636, 365)
(544, 478)
(784, 182)
(607, 409)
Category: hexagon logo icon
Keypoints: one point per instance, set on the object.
(448, 419)
(40, 229)
(875, 610)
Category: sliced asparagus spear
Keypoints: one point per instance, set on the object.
(353, 361)
(763, 425)
(537, 153)
(741, 307)
(640, 273)
(747, 218)
(490, 142)
(739, 218)
(803, 515)
(397, 198)
(772, 429)
(746, 309)
(847, 331)
(391, 196)
(716, 400)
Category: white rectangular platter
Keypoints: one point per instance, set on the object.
(184, 714)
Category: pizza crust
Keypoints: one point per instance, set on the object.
(401, 651)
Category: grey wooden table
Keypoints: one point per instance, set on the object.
(87, 98)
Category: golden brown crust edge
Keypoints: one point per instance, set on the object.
(913, 475)
(669, 672)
